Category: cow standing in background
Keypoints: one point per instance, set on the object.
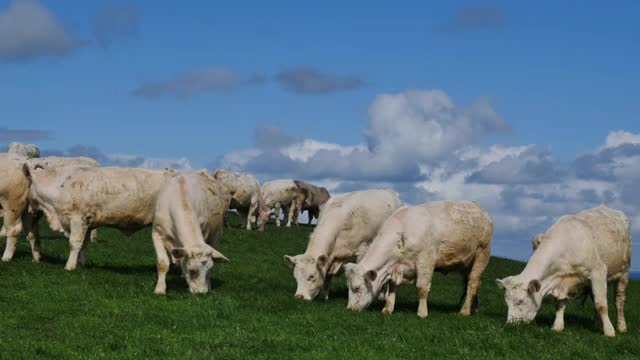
(27, 150)
(592, 248)
(244, 191)
(311, 198)
(281, 195)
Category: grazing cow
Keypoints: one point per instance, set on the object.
(27, 150)
(278, 194)
(245, 193)
(414, 242)
(311, 199)
(347, 225)
(77, 199)
(188, 222)
(592, 248)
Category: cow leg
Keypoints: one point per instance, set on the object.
(473, 284)
(76, 240)
(162, 263)
(599, 288)
(244, 221)
(558, 323)
(94, 235)
(425, 267)
(3, 231)
(277, 213)
(252, 210)
(390, 304)
(13, 223)
(292, 210)
(621, 286)
(30, 222)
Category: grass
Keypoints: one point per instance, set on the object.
(108, 310)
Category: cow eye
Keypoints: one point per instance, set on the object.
(356, 288)
(311, 277)
(520, 301)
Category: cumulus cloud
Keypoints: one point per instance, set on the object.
(481, 18)
(425, 147)
(28, 30)
(191, 83)
(307, 80)
(114, 21)
(123, 160)
(27, 135)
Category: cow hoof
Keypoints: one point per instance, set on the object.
(465, 312)
(386, 311)
(36, 259)
(422, 315)
(159, 292)
(69, 268)
(622, 328)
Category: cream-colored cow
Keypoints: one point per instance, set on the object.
(245, 193)
(414, 242)
(188, 222)
(589, 248)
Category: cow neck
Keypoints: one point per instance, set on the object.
(539, 265)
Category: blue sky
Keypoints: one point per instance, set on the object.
(210, 81)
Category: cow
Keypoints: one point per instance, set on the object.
(244, 191)
(592, 248)
(347, 225)
(278, 194)
(14, 196)
(27, 150)
(414, 242)
(76, 199)
(312, 198)
(188, 222)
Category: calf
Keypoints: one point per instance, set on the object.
(347, 225)
(188, 222)
(589, 248)
(416, 241)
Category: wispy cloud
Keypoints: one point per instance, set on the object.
(307, 80)
(29, 30)
(10, 135)
(196, 82)
(114, 21)
(482, 18)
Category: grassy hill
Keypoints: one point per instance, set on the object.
(108, 310)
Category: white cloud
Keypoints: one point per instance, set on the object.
(619, 137)
(29, 30)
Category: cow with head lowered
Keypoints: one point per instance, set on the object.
(347, 225)
(311, 198)
(591, 248)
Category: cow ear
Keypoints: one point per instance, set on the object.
(502, 283)
(179, 253)
(290, 261)
(534, 286)
(218, 257)
(371, 275)
(536, 241)
(322, 260)
(348, 268)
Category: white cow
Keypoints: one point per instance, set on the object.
(188, 222)
(245, 193)
(14, 184)
(347, 225)
(278, 194)
(414, 242)
(589, 248)
(77, 199)
(26, 150)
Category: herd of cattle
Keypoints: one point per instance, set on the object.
(368, 235)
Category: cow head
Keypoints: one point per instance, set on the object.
(363, 285)
(309, 273)
(196, 263)
(523, 298)
(264, 214)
